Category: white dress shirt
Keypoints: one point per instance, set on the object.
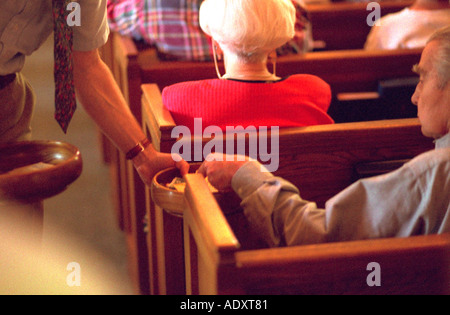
(407, 29)
(26, 24)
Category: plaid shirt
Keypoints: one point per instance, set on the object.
(172, 26)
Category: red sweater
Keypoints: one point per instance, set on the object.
(298, 100)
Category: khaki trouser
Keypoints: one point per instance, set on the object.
(16, 110)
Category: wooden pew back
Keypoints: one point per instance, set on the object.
(351, 21)
(345, 71)
(215, 264)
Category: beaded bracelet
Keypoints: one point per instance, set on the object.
(137, 149)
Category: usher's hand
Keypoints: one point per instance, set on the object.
(149, 162)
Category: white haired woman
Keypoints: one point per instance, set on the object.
(246, 33)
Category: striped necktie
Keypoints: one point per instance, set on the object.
(65, 101)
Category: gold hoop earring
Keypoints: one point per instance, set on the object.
(273, 59)
(216, 64)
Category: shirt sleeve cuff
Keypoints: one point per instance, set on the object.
(249, 178)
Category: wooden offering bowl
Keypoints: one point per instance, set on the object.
(173, 201)
(36, 170)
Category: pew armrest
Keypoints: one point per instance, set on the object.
(205, 218)
(157, 118)
(209, 242)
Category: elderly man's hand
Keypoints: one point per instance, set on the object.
(220, 169)
(149, 162)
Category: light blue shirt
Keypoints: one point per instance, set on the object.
(413, 200)
(26, 24)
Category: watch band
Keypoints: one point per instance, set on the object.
(140, 146)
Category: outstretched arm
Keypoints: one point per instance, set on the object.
(103, 101)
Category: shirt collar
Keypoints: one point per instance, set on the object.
(443, 142)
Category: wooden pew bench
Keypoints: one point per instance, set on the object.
(216, 264)
(350, 19)
(340, 153)
(352, 71)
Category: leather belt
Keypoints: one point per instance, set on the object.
(6, 80)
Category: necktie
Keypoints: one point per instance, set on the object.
(65, 100)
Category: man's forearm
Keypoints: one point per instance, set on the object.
(275, 209)
(101, 97)
(103, 101)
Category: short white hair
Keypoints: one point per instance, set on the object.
(248, 28)
(442, 56)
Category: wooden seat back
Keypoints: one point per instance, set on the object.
(345, 71)
(215, 263)
(351, 19)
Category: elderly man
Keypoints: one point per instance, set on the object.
(414, 200)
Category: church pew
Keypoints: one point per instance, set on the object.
(121, 56)
(162, 244)
(339, 153)
(350, 19)
(216, 263)
(133, 65)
